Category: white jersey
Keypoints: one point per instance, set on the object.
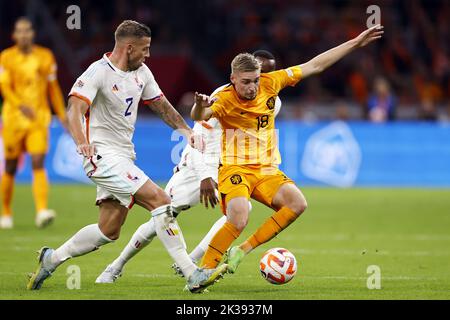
(206, 164)
(113, 96)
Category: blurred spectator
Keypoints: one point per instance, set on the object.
(428, 110)
(381, 104)
(342, 111)
(414, 54)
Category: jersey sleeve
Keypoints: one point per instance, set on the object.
(286, 77)
(218, 109)
(151, 91)
(6, 87)
(88, 84)
(52, 67)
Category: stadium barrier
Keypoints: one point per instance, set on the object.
(400, 154)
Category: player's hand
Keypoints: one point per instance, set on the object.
(27, 112)
(369, 35)
(196, 141)
(87, 150)
(204, 100)
(208, 192)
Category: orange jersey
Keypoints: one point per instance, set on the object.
(248, 126)
(24, 80)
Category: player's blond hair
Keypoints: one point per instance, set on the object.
(131, 28)
(245, 62)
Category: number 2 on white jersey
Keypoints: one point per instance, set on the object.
(130, 103)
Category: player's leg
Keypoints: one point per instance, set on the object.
(7, 190)
(40, 186)
(154, 199)
(237, 218)
(280, 193)
(199, 251)
(37, 146)
(86, 240)
(290, 203)
(146, 232)
(13, 147)
(140, 239)
(235, 185)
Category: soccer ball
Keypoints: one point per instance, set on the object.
(278, 266)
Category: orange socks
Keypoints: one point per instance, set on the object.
(279, 221)
(7, 189)
(219, 244)
(40, 189)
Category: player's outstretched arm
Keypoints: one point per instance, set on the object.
(328, 58)
(200, 110)
(76, 109)
(164, 109)
(57, 99)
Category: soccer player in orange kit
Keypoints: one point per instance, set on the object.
(249, 161)
(27, 78)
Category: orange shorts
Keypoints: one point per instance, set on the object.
(250, 181)
(32, 140)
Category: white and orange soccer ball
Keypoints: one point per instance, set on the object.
(278, 265)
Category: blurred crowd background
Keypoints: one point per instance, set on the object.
(405, 76)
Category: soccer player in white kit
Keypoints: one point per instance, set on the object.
(107, 95)
(194, 180)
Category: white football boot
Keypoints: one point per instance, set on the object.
(44, 218)
(110, 275)
(6, 222)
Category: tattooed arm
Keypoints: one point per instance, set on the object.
(164, 109)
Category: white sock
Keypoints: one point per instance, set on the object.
(201, 248)
(140, 239)
(86, 240)
(170, 235)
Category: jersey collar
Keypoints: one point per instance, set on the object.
(112, 66)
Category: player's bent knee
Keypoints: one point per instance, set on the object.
(299, 206)
(109, 232)
(159, 198)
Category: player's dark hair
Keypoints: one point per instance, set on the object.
(264, 54)
(131, 28)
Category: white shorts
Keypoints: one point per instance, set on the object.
(116, 178)
(184, 188)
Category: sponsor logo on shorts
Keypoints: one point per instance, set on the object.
(132, 178)
(236, 179)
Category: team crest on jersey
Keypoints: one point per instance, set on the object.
(271, 103)
(236, 179)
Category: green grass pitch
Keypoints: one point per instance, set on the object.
(406, 232)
